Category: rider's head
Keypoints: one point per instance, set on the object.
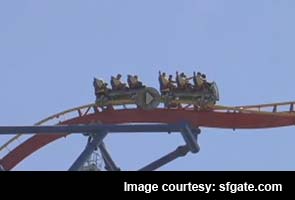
(119, 76)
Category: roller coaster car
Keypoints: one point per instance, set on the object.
(203, 98)
(126, 95)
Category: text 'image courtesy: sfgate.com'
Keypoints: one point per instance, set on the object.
(205, 188)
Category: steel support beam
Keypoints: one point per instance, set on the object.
(179, 152)
(90, 147)
(62, 129)
(190, 137)
(110, 164)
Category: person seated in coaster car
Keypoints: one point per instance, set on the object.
(117, 83)
(100, 88)
(183, 82)
(164, 83)
(134, 83)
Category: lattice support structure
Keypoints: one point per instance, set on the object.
(90, 148)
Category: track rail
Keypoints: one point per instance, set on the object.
(237, 117)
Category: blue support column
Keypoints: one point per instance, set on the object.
(110, 164)
(91, 146)
(190, 137)
(1, 168)
(179, 152)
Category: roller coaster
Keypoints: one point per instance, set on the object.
(140, 110)
(202, 94)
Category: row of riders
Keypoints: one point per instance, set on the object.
(167, 84)
(182, 83)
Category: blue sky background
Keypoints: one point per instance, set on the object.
(50, 51)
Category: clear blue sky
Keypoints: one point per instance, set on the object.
(51, 49)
